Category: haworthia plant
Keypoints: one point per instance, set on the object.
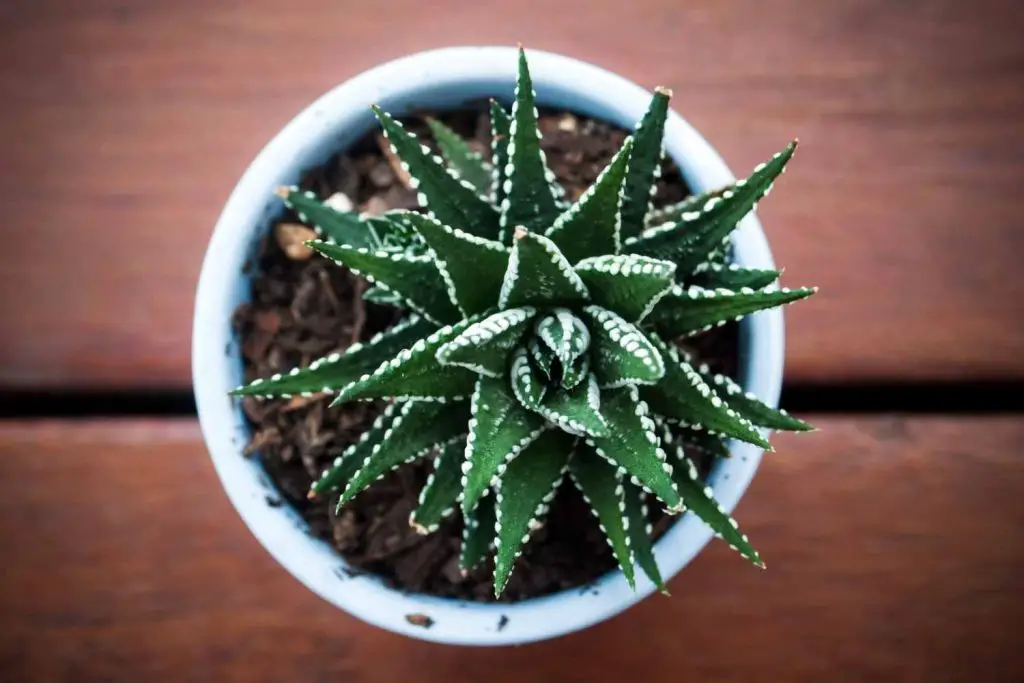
(540, 343)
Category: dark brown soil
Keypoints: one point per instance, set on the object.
(304, 308)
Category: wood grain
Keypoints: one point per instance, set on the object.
(893, 549)
(126, 124)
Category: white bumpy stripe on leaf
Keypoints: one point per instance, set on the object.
(499, 429)
(471, 266)
(478, 533)
(332, 372)
(622, 354)
(528, 198)
(750, 406)
(484, 346)
(674, 212)
(415, 431)
(687, 311)
(684, 395)
(538, 273)
(629, 284)
(691, 241)
(464, 162)
(640, 182)
(448, 198)
(415, 374)
(414, 278)
(563, 333)
(346, 464)
(633, 445)
(700, 500)
(590, 227)
(523, 497)
(500, 127)
(602, 488)
(529, 388)
(440, 494)
(731, 276)
(640, 532)
(577, 411)
(329, 223)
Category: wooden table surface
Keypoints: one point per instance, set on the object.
(895, 540)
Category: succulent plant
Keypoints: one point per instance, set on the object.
(541, 337)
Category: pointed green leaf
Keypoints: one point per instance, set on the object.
(484, 347)
(674, 212)
(528, 200)
(633, 446)
(414, 278)
(689, 241)
(563, 333)
(629, 284)
(419, 427)
(392, 232)
(472, 267)
(478, 534)
(528, 384)
(733, 277)
(621, 354)
(500, 128)
(714, 445)
(499, 429)
(720, 255)
(573, 374)
(543, 357)
(524, 494)
(645, 165)
(383, 297)
(538, 273)
(683, 395)
(330, 373)
(602, 488)
(590, 227)
(335, 227)
(640, 531)
(467, 163)
(700, 500)
(692, 310)
(414, 373)
(345, 465)
(750, 406)
(577, 411)
(452, 201)
(439, 496)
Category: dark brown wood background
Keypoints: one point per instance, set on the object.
(898, 543)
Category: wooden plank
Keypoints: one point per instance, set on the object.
(893, 546)
(123, 136)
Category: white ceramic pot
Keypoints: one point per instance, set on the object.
(444, 79)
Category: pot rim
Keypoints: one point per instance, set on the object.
(443, 78)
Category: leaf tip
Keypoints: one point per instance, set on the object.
(520, 232)
(663, 91)
(419, 528)
(311, 495)
(282, 191)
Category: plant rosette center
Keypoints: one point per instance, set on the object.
(541, 340)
